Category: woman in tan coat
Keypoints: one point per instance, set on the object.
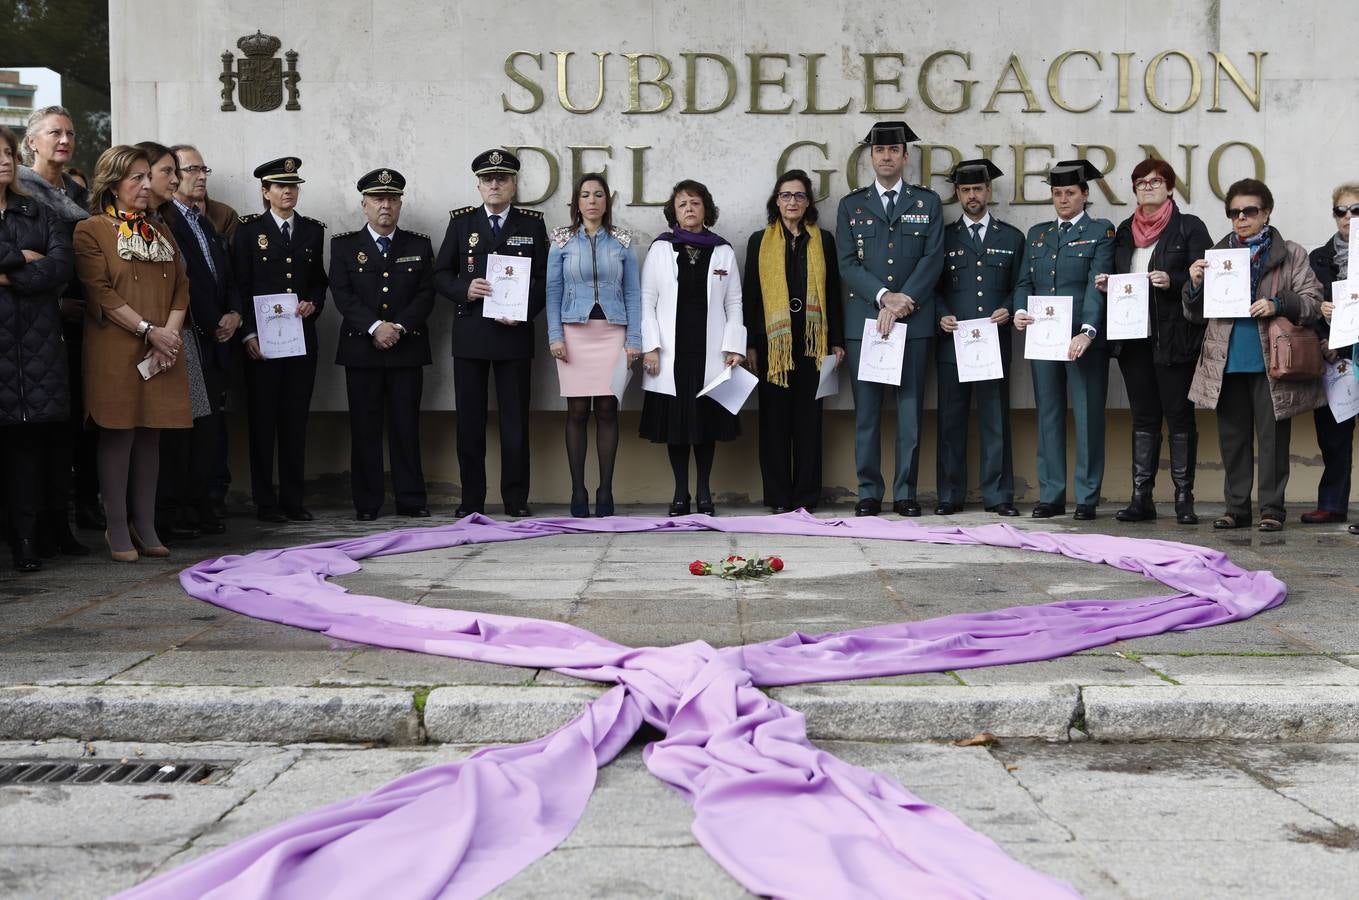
(1232, 376)
(137, 294)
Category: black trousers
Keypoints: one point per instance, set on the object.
(83, 442)
(996, 476)
(187, 459)
(280, 398)
(1336, 440)
(23, 461)
(390, 398)
(1245, 409)
(1156, 392)
(471, 390)
(790, 438)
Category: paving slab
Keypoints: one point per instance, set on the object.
(494, 714)
(402, 668)
(1201, 712)
(214, 667)
(1230, 670)
(65, 666)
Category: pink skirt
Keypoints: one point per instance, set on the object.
(592, 352)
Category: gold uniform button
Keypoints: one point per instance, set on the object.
(385, 289)
(290, 290)
(289, 275)
(385, 275)
(289, 259)
(384, 306)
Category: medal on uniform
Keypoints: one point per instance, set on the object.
(472, 240)
(471, 261)
(362, 257)
(263, 241)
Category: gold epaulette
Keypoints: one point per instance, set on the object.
(455, 213)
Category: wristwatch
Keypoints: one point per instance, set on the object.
(144, 328)
(1089, 331)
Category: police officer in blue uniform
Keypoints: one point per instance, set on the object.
(382, 282)
(484, 347)
(1062, 258)
(890, 238)
(279, 251)
(982, 258)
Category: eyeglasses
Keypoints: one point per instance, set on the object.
(792, 197)
(196, 170)
(1249, 212)
(1341, 210)
(1149, 184)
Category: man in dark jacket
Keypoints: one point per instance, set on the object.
(482, 346)
(382, 282)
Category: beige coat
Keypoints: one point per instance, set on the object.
(1288, 278)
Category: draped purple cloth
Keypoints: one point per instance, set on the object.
(782, 817)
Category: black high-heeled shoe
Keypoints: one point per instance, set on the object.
(704, 505)
(580, 504)
(603, 503)
(679, 507)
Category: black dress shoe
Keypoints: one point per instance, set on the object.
(270, 514)
(947, 509)
(520, 511)
(906, 508)
(1085, 512)
(868, 507)
(365, 515)
(298, 514)
(1003, 509)
(679, 507)
(1048, 510)
(219, 508)
(463, 512)
(411, 512)
(780, 510)
(603, 503)
(703, 505)
(26, 556)
(210, 524)
(580, 504)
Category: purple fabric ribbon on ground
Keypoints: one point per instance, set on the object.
(784, 818)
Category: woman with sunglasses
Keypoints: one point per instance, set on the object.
(1330, 262)
(1232, 376)
(792, 313)
(1160, 240)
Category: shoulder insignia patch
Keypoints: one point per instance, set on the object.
(313, 221)
(417, 234)
(343, 234)
(1109, 232)
(455, 213)
(537, 214)
(249, 218)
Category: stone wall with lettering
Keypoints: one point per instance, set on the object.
(730, 92)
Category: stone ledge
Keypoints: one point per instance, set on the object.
(924, 713)
(495, 714)
(212, 713)
(1206, 712)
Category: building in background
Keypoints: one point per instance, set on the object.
(16, 99)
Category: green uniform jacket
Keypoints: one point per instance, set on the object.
(1069, 269)
(975, 283)
(904, 255)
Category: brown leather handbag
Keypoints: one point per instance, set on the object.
(1294, 351)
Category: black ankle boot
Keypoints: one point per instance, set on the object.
(580, 503)
(1146, 457)
(1183, 452)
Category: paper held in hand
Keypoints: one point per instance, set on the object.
(829, 383)
(1129, 307)
(880, 357)
(278, 327)
(1226, 284)
(976, 346)
(1342, 389)
(509, 278)
(730, 388)
(1345, 316)
(1048, 336)
(1352, 268)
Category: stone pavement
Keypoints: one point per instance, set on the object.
(90, 649)
(1206, 820)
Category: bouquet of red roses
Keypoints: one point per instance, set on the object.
(738, 567)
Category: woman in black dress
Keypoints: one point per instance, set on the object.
(691, 327)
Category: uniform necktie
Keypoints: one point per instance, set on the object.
(889, 205)
(976, 234)
(384, 244)
(287, 233)
(495, 227)
(1064, 230)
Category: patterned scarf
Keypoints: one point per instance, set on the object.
(1259, 252)
(778, 324)
(137, 239)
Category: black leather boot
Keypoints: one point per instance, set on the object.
(1146, 457)
(1183, 454)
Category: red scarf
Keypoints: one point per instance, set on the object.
(1147, 228)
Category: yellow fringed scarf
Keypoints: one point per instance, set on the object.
(778, 324)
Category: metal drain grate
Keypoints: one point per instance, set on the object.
(112, 771)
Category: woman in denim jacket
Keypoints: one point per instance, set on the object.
(594, 317)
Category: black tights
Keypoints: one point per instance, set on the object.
(577, 441)
(129, 461)
(703, 461)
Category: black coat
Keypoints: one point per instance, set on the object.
(33, 379)
(368, 288)
(262, 265)
(1175, 340)
(210, 296)
(752, 300)
(462, 258)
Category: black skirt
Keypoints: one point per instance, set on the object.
(687, 418)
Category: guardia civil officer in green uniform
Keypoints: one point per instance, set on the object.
(982, 258)
(382, 282)
(1062, 258)
(890, 240)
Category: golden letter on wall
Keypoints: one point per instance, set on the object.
(872, 81)
(759, 81)
(1110, 161)
(523, 81)
(1124, 61)
(1222, 64)
(1183, 177)
(635, 82)
(691, 106)
(639, 177)
(1215, 161)
(553, 174)
(578, 166)
(811, 109)
(1016, 68)
(1023, 173)
(562, 95)
(923, 82)
(1055, 75)
(1195, 81)
(824, 175)
(927, 170)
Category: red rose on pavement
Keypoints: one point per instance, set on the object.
(698, 567)
(775, 564)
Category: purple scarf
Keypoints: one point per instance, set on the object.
(704, 238)
(783, 817)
